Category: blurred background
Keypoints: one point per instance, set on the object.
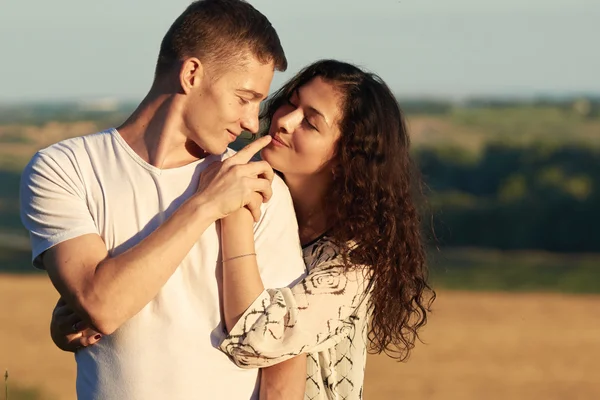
(503, 104)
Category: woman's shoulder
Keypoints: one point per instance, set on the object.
(320, 250)
(325, 251)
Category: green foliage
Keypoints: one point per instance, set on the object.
(426, 107)
(39, 114)
(548, 122)
(485, 269)
(9, 201)
(517, 197)
(16, 261)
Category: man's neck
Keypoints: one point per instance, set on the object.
(154, 132)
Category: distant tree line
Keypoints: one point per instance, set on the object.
(586, 106)
(536, 196)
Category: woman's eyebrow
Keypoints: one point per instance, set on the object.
(312, 109)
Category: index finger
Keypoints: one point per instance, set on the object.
(246, 154)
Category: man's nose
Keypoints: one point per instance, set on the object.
(250, 122)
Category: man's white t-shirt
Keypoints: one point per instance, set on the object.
(97, 184)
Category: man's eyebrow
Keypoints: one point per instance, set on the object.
(254, 94)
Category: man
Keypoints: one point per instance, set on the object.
(125, 227)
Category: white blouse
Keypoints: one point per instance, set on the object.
(324, 315)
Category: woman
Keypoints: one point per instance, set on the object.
(341, 145)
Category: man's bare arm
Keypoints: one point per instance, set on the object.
(107, 291)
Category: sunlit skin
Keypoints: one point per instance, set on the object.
(305, 132)
(204, 111)
(217, 110)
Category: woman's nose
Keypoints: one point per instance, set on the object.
(290, 121)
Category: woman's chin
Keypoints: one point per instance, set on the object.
(267, 155)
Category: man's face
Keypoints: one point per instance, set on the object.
(219, 109)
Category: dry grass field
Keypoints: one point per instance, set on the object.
(479, 346)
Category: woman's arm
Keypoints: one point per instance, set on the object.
(275, 325)
(242, 285)
(284, 381)
(241, 280)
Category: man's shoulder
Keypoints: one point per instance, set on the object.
(67, 156)
(280, 186)
(73, 146)
(280, 206)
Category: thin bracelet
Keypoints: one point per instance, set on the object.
(243, 255)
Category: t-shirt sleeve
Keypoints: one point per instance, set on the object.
(53, 202)
(279, 253)
(312, 316)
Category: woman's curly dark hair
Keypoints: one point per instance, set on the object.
(374, 185)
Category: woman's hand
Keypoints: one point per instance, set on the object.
(68, 331)
(241, 219)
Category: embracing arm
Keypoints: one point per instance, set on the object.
(284, 381)
(107, 291)
(242, 284)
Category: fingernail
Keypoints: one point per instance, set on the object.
(98, 337)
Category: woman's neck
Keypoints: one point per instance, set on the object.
(308, 194)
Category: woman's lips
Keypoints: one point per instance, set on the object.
(278, 142)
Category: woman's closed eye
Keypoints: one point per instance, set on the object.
(310, 126)
(304, 120)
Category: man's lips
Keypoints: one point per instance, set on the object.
(233, 135)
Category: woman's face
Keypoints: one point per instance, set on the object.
(305, 130)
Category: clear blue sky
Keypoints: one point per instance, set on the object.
(64, 49)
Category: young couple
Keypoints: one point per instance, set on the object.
(185, 269)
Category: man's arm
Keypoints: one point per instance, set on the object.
(284, 381)
(107, 291)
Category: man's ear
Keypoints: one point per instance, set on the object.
(191, 74)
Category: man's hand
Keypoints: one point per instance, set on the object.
(234, 183)
(68, 331)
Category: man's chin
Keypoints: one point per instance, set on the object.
(220, 149)
(216, 148)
